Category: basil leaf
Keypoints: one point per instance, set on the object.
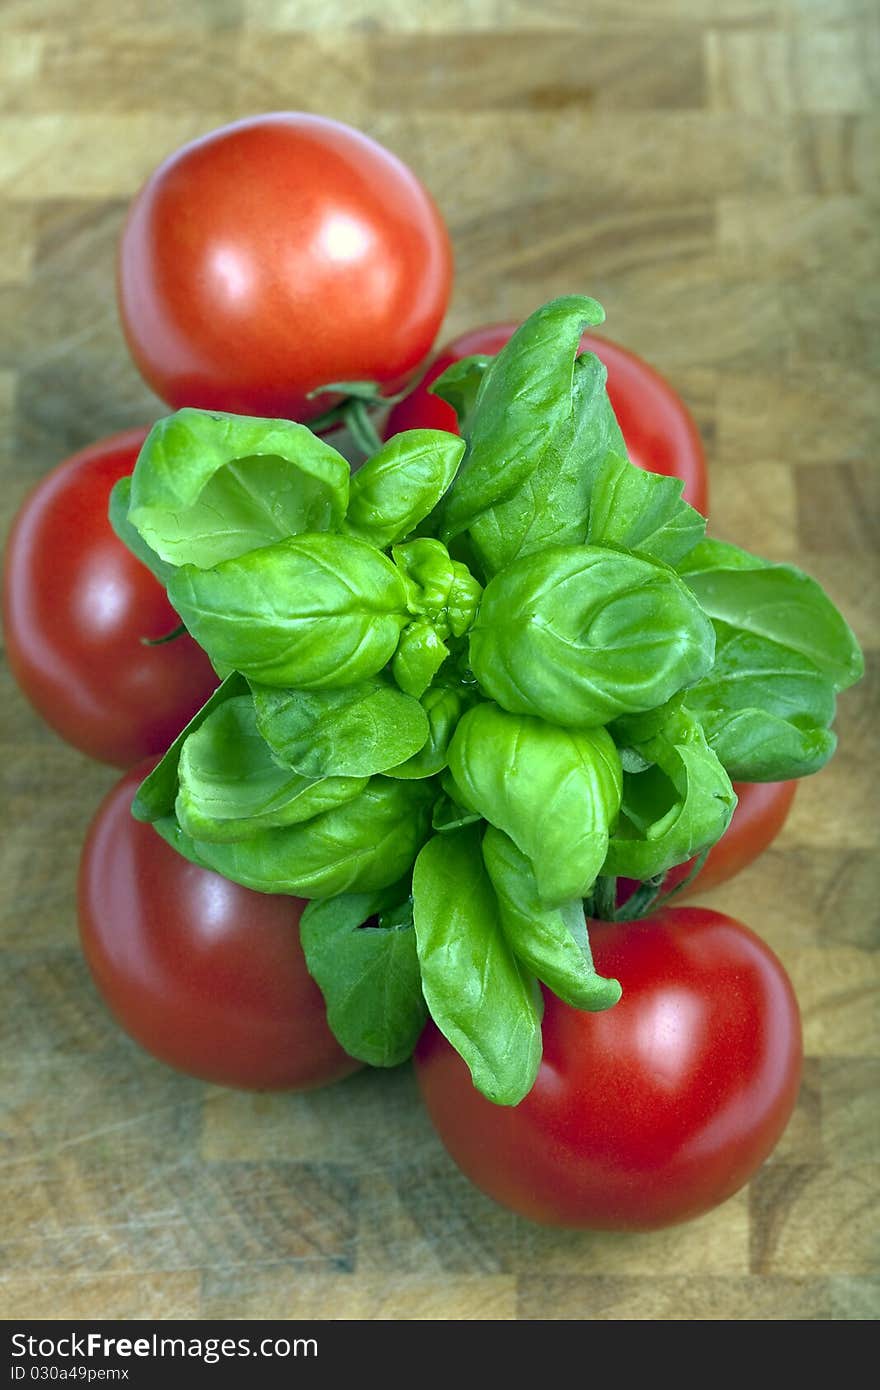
(783, 651)
(428, 574)
(631, 730)
(550, 941)
(209, 487)
(481, 999)
(401, 484)
(675, 808)
(443, 706)
(367, 843)
(642, 512)
(464, 599)
(755, 746)
(368, 974)
(437, 586)
(552, 504)
(419, 656)
(765, 709)
(169, 829)
(315, 612)
(781, 604)
(459, 386)
(120, 500)
(157, 793)
(355, 732)
(231, 786)
(710, 554)
(369, 391)
(554, 791)
(524, 414)
(448, 813)
(580, 634)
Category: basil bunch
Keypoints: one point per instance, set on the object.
(466, 687)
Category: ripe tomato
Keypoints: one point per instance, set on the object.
(652, 1112)
(207, 975)
(660, 432)
(279, 254)
(76, 604)
(760, 814)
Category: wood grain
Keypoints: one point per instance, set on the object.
(708, 169)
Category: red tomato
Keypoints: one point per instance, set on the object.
(207, 975)
(652, 1112)
(760, 814)
(659, 431)
(76, 604)
(275, 255)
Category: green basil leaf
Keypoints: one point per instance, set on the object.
(355, 732)
(630, 730)
(368, 843)
(169, 829)
(554, 791)
(781, 604)
(120, 500)
(437, 586)
(464, 599)
(157, 793)
(315, 612)
(755, 746)
(231, 786)
(642, 512)
(524, 414)
(710, 554)
(552, 504)
(443, 706)
(448, 813)
(459, 387)
(209, 487)
(368, 391)
(551, 942)
(580, 634)
(675, 808)
(765, 709)
(401, 484)
(368, 974)
(428, 574)
(420, 654)
(481, 999)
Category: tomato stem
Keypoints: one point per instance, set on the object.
(697, 865)
(356, 415)
(171, 636)
(604, 898)
(649, 896)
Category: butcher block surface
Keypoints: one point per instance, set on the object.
(704, 168)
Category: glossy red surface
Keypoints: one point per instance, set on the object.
(208, 976)
(76, 604)
(279, 254)
(659, 431)
(651, 1112)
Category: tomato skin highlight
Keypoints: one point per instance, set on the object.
(652, 1112)
(76, 604)
(660, 432)
(206, 975)
(276, 255)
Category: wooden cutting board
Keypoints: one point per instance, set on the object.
(705, 169)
